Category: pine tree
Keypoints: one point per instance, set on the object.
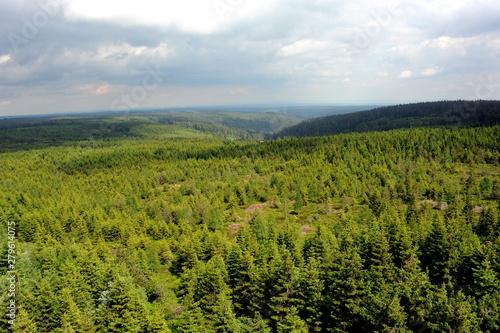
(345, 294)
(47, 308)
(321, 244)
(289, 237)
(486, 281)
(192, 319)
(383, 308)
(24, 323)
(311, 295)
(435, 252)
(488, 224)
(254, 325)
(415, 292)
(488, 310)
(73, 320)
(380, 261)
(212, 296)
(291, 323)
(157, 323)
(120, 310)
(246, 283)
(223, 316)
(285, 293)
(260, 228)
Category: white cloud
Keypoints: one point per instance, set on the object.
(4, 58)
(196, 16)
(440, 46)
(405, 74)
(446, 43)
(102, 90)
(122, 51)
(430, 72)
(303, 46)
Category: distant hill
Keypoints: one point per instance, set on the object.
(321, 111)
(40, 132)
(301, 110)
(442, 113)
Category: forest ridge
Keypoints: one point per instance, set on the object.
(441, 113)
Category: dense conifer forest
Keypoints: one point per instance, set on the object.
(196, 231)
(425, 114)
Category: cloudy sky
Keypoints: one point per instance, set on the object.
(78, 55)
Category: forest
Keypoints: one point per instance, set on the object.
(40, 132)
(424, 114)
(179, 229)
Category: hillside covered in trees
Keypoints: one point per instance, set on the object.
(391, 231)
(443, 113)
(30, 133)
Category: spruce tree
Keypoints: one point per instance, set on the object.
(285, 300)
(435, 252)
(311, 295)
(25, 323)
(120, 309)
(345, 294)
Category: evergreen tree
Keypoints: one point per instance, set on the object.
(24, 323)
(285, 299)
(246, 283)
(47, 308)
(488, 224)
(435, 252)
(346, 295)
(211, 295)
(119, 309)
(311, 295)
(380, 262)
(321, 244)
(415, 292)
(73, 320)
(486, 280)
(488, 310)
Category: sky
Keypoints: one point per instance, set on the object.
(61, 56)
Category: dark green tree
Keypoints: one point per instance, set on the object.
(435, 252)
(120, 309)
(311, 289)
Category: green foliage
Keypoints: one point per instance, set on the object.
(30, 133)
(391, 232)
(476, 113)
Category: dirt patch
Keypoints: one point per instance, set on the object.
(306, 229)
(478, 209)
(434, 204)
(258, 208)
(234, 226)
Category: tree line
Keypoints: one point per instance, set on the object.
(425, 114)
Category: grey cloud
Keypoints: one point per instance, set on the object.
(316, 36)
(245, 54)
(470, 19)
(474, 19)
